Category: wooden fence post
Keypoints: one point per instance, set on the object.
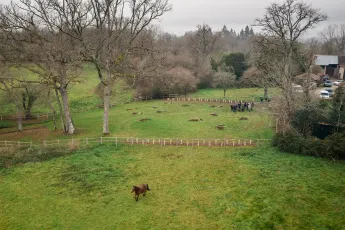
(250, 142)
(5, 144)
(116, 141)
(132, 140)
(198, 143)
(209, 143)
(233, 143)
(19, 144)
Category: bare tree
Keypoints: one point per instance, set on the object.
(334, 38)
(116, 26)
(224, 77)
(201, 45)
(283, 25)
(182, 79)
(305, 57)
(10, 87)
(34, 37)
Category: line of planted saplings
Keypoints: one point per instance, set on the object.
(139, 141)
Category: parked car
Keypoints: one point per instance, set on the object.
(328, 83)
(338, 82)
(330, 92)
(324, 94)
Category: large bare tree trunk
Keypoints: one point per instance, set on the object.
(68, 119)
(266, 92)
(52, 109)
(106, 104)
(61, 112)
(20, 121)
(224, 92)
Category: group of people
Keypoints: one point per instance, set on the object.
(242, 106)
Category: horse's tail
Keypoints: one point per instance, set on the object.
(147, 186)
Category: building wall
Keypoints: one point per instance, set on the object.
(341, 72)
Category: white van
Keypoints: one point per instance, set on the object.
(324, 94)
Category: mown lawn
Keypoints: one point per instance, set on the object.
(173, 122)
(191, 188)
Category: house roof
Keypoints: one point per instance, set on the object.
(326, 60)
(312, 76)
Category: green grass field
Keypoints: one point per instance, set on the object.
(191, 188)
(172, 123)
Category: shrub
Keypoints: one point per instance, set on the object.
(6, 124)
(333, 147)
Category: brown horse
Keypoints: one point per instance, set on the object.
(141, 189)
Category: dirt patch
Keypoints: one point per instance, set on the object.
(243, 118)
(195, 119)
(145, 119)
(220, 127)
(36, 134)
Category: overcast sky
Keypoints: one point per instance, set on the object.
(236, 14)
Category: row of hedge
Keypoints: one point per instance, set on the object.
(333, 147)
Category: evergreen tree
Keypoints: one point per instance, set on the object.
(251, 32)
(241, 35)
(247, 32)
(225, 31)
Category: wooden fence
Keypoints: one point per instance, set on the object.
(139, 141)
(33, 116)
(206, 100)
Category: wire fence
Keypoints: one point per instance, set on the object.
(139, 141)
